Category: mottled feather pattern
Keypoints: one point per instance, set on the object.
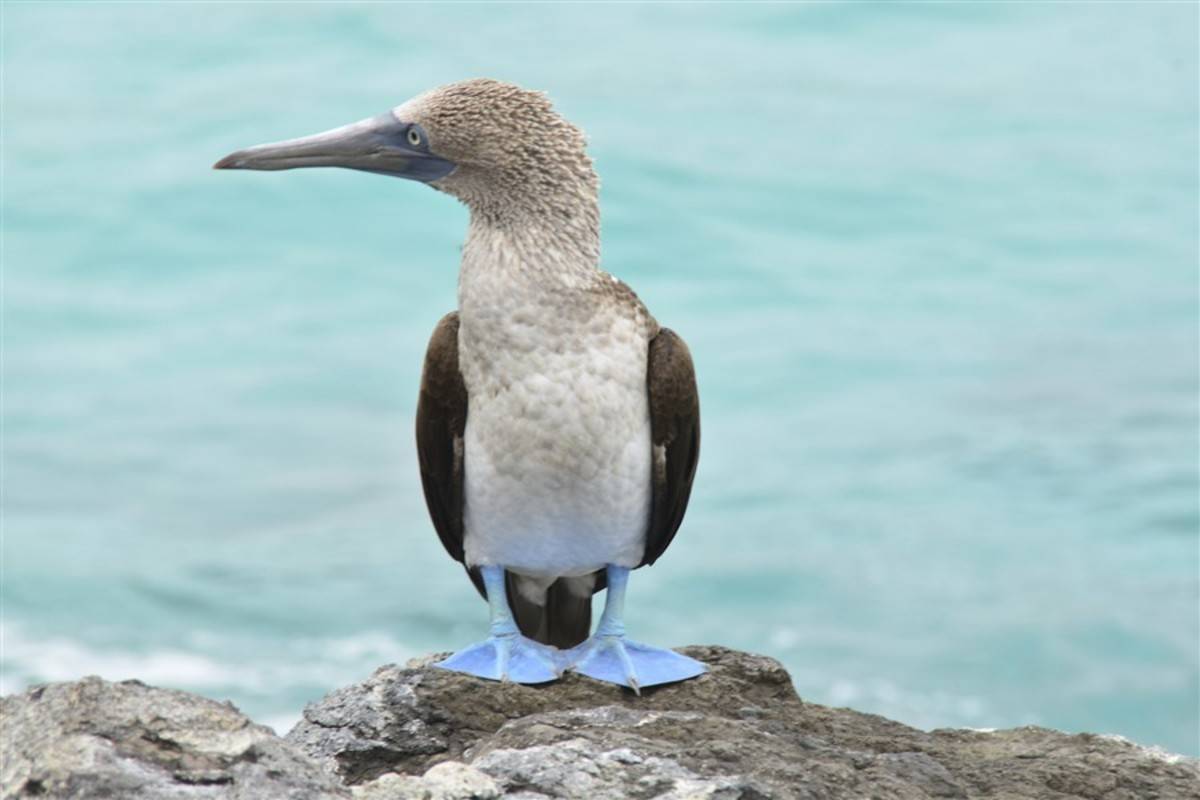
(517, 159)
(582, 435)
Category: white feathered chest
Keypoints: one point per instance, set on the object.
(557, 444)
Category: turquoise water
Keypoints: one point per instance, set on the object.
(937, 265)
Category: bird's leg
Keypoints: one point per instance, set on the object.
(609, 656)
(505, 655)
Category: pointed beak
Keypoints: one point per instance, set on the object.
(380, 144)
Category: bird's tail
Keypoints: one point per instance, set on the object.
(563, 620)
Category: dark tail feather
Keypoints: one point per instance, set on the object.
(564, 621)
(568, 616)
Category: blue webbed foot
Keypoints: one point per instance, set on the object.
(609, 656)
(507, 657)
(615, 659)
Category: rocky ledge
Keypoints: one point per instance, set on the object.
(420, 733)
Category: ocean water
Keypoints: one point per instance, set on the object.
(937, 264)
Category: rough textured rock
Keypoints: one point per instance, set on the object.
(420, 733)
(449, 780)
(738, 732)
(94, 739)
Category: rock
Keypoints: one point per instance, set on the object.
(738, 732)
(449, 780)
(93, 739)
(421, 733)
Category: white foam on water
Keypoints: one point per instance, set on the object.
(1150, 751)
(29, 659)
(211, 663)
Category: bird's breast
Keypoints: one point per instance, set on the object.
(557, 457)
(562, 380)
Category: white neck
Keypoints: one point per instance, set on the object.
(503, 259)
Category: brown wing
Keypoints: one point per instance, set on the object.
(675, 437)
(441, 420)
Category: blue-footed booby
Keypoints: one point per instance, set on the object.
(558, 425)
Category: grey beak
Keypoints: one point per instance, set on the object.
(381, 144)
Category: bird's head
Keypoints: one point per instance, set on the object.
(495, 146)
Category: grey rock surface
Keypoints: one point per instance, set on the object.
(95, 739)
(421, 733)
(449, 780)
(738, 732)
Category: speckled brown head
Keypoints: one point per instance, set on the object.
(501, 149)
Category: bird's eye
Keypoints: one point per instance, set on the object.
(414, 137)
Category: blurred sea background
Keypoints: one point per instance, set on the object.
(937, 264)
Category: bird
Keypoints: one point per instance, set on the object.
(558, 423)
